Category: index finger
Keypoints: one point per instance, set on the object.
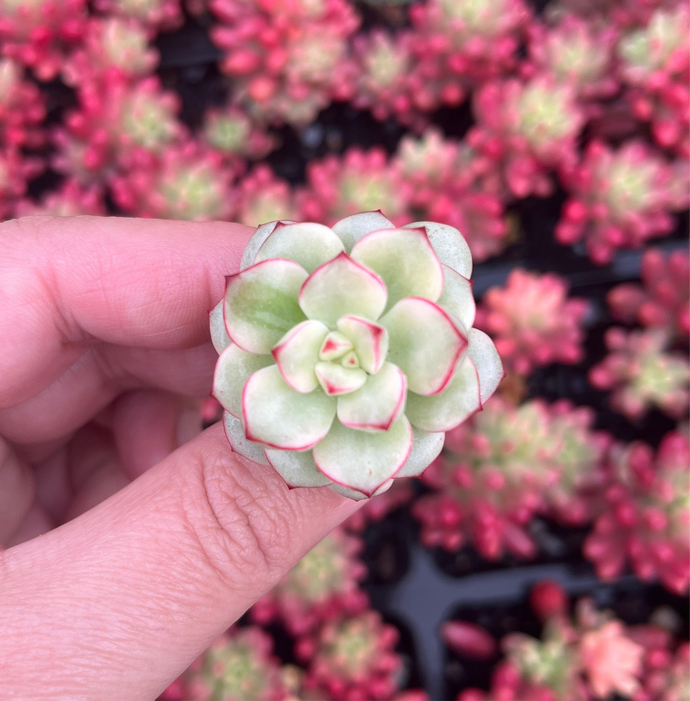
(68, 283)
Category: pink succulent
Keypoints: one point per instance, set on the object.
(620, 198)
(358, 181)
(655, 62)
(288, 59)
(533, 321)
(502, 468)
(647, 515)
(157, 14)
(663, 299)
(117, 124)
(263, 198)
(70, 200)
(323, 584)
(239, 666)
(642, 374)
(470, 39)
(186, 182)
(385, 77)
(231, 132)
(576, 52)
(528, 130)
(111, 46)
(39, 33)
(352, 658)
(22, 107)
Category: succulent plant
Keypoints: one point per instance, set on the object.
(70, 200)
(590, 657)
(576, 52)
(655, 62)
(505, 466)
(400, 493)
(40, 33)
(264, 197)
(532, 321)
(231, 132)
(239, 666)
(620, 198)
(663, 299)
(642, 374)
(157, 14)
(475, 39)
(186, 182)
(647, 514)
(352, 658)
(287, 59)
(111, 46)
(528, 129)
(327, 338)
(322, 584)
(15, 171)
(358, 181)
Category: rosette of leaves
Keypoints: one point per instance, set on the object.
(347, 352)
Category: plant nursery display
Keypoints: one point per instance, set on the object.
(469, 268)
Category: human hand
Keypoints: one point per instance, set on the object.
(154, 549)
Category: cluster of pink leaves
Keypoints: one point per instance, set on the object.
(590, 655)
(539, 86)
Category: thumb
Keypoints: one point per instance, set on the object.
(118, 602)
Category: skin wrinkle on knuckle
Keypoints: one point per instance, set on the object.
(241, 529)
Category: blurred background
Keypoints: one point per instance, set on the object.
(545, 556)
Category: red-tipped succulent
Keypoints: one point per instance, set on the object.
(22, 107)
(352, 658)
(69, 200)
(528, 129)
(239, 666)
(647, 516)
(663, 299)
(345, 353)
(358, 181)
(157, 14)
(620, 198)
(533, 322)
(40, 33)
(263, 197)
(641, 374)
(505, 466)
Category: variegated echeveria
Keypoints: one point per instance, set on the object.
(347, 352)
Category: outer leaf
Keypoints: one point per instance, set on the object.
(457, 297)
(233, 369)
(336, 379)
(297, 353)
(424, 343)
(309, 244)
(219, 336)
(370, 341)
(261, 304)
(377, 404)
(358, 496)
(256, 241)
(235, 433)
(426, 447)
(342, 286)
(483, 353)
(449, 244)
(446, 410)
(363, 461)
(406, 261)
(281, 418)
(353, 228)
(298, 469)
